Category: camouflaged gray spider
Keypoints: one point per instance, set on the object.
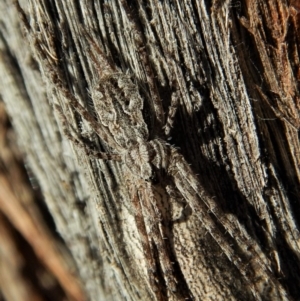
(121, 126)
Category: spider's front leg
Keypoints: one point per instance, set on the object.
(73, 136)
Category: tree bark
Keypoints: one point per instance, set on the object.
(229, 73)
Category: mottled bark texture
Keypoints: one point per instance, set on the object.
(34, 265)
(222, 77)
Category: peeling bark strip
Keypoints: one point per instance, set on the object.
(148, 88)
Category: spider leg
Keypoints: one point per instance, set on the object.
(171, 114)
(95, 51)
(201, 203)
(229, 222)
(67, 129)
(147, 249)
(147, 217)
(53, 68)
(101, 130)
(156, 232)
(200, 210)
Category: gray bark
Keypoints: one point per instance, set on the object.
(237, 124)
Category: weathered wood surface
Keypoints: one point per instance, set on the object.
(235, 68)
(34, 264)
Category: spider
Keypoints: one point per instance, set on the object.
(120, 124)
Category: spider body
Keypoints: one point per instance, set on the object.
(119, 108)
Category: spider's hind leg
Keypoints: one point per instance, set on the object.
(241, 249)
(148, 219)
